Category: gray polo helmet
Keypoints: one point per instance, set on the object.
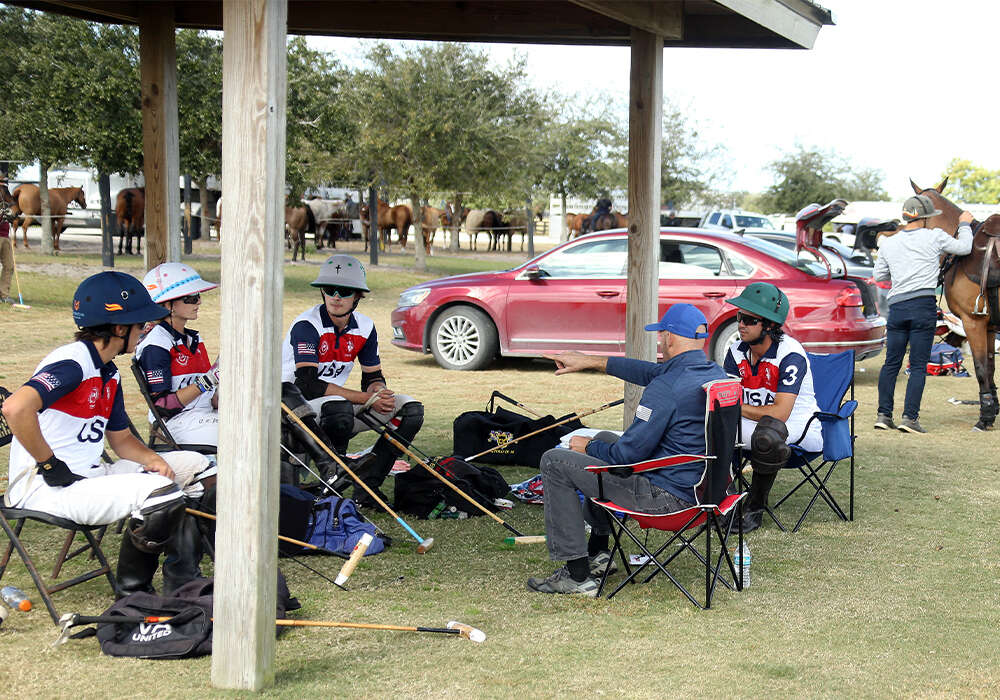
(919, 207)
(342, 271)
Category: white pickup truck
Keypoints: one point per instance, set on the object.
(734, 219)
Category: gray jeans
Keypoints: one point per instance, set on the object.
(563, 474)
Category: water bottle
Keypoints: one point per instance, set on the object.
(15, 598)
(741, 562)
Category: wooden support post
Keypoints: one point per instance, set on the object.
(108, 221)
(161, 167)
(373, 232)
(187, 215)
(645, 117)
(253, 168)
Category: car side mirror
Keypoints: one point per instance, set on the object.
(533, 272)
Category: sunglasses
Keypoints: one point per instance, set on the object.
(342, 292)
(747, 320)
(192, 299)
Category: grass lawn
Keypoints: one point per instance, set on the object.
(901, 602)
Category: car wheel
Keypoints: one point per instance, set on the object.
(727, 334)
(464, 338)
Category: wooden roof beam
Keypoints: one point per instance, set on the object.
(664, 19)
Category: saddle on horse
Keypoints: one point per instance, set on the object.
(982, 267)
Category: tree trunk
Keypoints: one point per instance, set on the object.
(43, 193)
(563, 226)
(108, 221)
(187, 215)
(206, 216)
(456, 222)
(418, 234)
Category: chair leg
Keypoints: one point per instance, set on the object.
(61, 558)
(15, 541)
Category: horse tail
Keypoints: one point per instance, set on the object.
(310, 220)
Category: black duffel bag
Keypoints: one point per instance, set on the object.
(475, 431)
(418, 492)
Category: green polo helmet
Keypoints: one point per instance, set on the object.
(764, 300)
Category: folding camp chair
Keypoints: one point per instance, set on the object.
(12, 522)
(833, 376)
(160, 438)
(715, 514)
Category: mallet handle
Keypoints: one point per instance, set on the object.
(575, 416)
(209, 516)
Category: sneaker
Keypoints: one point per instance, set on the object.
(884, 422)
(562, 582)
(601, 561)
(752, 519)
(911, 425)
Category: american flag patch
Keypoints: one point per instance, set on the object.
(305, 348)
(643, 412)
(154, 376)
(47, 379)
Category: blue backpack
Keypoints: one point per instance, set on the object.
(331, 523)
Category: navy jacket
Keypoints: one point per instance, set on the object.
(669, 420)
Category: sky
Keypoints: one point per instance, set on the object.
(902, 86)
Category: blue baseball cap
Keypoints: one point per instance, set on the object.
(681, 319)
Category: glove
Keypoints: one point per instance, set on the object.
(208, 381)
(56, 473)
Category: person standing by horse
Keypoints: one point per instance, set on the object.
(911, 260)
(602, 208)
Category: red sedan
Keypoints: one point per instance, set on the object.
(573, 297)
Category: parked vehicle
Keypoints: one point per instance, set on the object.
(735, 219)
(573, 297)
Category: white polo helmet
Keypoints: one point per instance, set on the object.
(342, 271)
(174, 280)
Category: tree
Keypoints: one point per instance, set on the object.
(583, 157)
(684, 161)
(811, 175)
(40, 114)
(439, 118)
(972, 183)
(320, 125)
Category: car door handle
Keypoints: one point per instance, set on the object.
(608, 293)
(713, 295)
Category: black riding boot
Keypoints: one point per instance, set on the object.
(760, 487)
(183, 555)
(135, 569)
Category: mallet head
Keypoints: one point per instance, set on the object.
(468, 631)
(424, 545)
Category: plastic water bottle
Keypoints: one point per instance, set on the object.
(15, 598)
(741, 561)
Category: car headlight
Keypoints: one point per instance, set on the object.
(412, 297)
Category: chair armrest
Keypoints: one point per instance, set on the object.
(649, 464)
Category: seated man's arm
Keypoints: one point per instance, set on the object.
(155, 363)
(372, 383)
(21, 412)
(642, 439)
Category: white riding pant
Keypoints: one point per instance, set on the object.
(195, 427)
(115, 491)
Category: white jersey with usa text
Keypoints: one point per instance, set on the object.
(784, 368)
(169, 363)
(314, 339)
(73, 424)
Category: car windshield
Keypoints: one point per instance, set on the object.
(816, 269)
(744, 221)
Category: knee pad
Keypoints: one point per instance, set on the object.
(155, 526)
(337, 420)
(768, 451)
(410, 418)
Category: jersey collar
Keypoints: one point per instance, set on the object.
(107, 369)
(327, 322)
(189, 337)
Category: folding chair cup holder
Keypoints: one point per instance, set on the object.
(711, 520)
(833, 377)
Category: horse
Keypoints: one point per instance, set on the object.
(130, 208)
(599, 222)
(399, 217)
(517, 222)
(29, 204)
(217, 223)
(298, 220)
(972, 298)
(329, 215)
(621, 220)
(431, 219)
(574, 224)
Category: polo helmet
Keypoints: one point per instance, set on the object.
(763, 299)
(173, 280)
(342, 271)
(113, 297)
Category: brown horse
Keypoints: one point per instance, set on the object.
(574, 222)
(431, 220)
(130, 208)
(399, 217)
(29, 205)
(297, 221)
(980, 316)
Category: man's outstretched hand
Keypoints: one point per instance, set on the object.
(573, 361)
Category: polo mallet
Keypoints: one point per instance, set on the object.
(498, 395)
(384, 432)
(335, 492)
(422, 544)
(359, 551)
(70, 620)
(567, 419)
(20, 305)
